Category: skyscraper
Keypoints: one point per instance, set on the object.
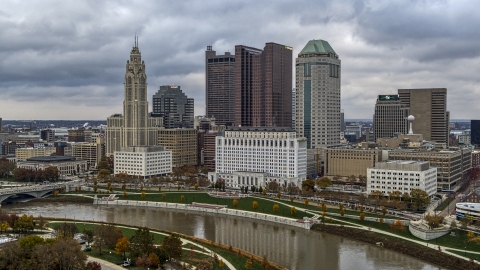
(318, 95)
(390, 117)
(220, 87)
(429, 107)
(174, 107)
(263, 86)
(134, 127)
(475, 132)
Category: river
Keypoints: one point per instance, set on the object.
(294, 248)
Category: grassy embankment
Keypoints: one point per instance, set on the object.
(191, 254)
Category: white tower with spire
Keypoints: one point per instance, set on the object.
(134, 127)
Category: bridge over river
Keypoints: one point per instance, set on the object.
(36, 191)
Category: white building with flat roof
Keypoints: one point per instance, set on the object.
(402, 176)
(143, 161)
(255, 156)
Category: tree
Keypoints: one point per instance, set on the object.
(182, 198)
(453, 225)
(196, 186)
(397, 226)
(381, 221)
(401, 206)
(254, 205)
(141, 244)
(291, 198)
(154, 260)
(204, 265)
(6, 167)
(87, 236)
(93, 266)
(433, 221)
(122, 246)
(293, 211)
(306, 202)
(395, 195)
(172, 245)
(143, 261)
(125, 194)
(235, 203)
(24, 224)
(4, 226)
(51, 173)
(279, 195)
(406, 197)
(264, 192)
(384, 210)
(100, 235)
(419, 198)
(273, 186)
(143, 195)
(65, 230)
(103, 173)
(308, 185)
(376, 196)
(464, 222)
(362, 216)
(323, 182)
(275, 208)
(265, 264)
(249, 264)
(103, 164)
(164, 196)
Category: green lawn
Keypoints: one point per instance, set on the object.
(465, 254)
(264, 206)
(332, 209)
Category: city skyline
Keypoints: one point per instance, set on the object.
(67, 61)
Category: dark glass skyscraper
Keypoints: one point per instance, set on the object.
(263, 86)
(174, 106)
(219, 87)
(475, 132)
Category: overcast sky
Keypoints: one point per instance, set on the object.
(66, 59)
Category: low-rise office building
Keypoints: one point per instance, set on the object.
(348, 160)
(91, 152)
(452, 164)
(254, 156)
(144, 161)
(26, 153)
(402, 176)
(183, 144)
(66, 165)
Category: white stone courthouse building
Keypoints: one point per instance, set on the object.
(255, 156)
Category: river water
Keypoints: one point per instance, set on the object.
(294, 248)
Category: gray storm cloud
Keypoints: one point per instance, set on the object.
(66, 60)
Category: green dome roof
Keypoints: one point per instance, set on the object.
(317, 46)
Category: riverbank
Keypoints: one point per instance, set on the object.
(233, 257)
(65, 199)
(420, 252)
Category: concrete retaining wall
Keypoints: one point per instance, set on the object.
(224, 211)
(426, 234)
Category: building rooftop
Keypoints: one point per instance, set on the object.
(260, 129)
(52, 159)
(317, 46)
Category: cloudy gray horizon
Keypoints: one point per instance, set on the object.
(66, 59)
